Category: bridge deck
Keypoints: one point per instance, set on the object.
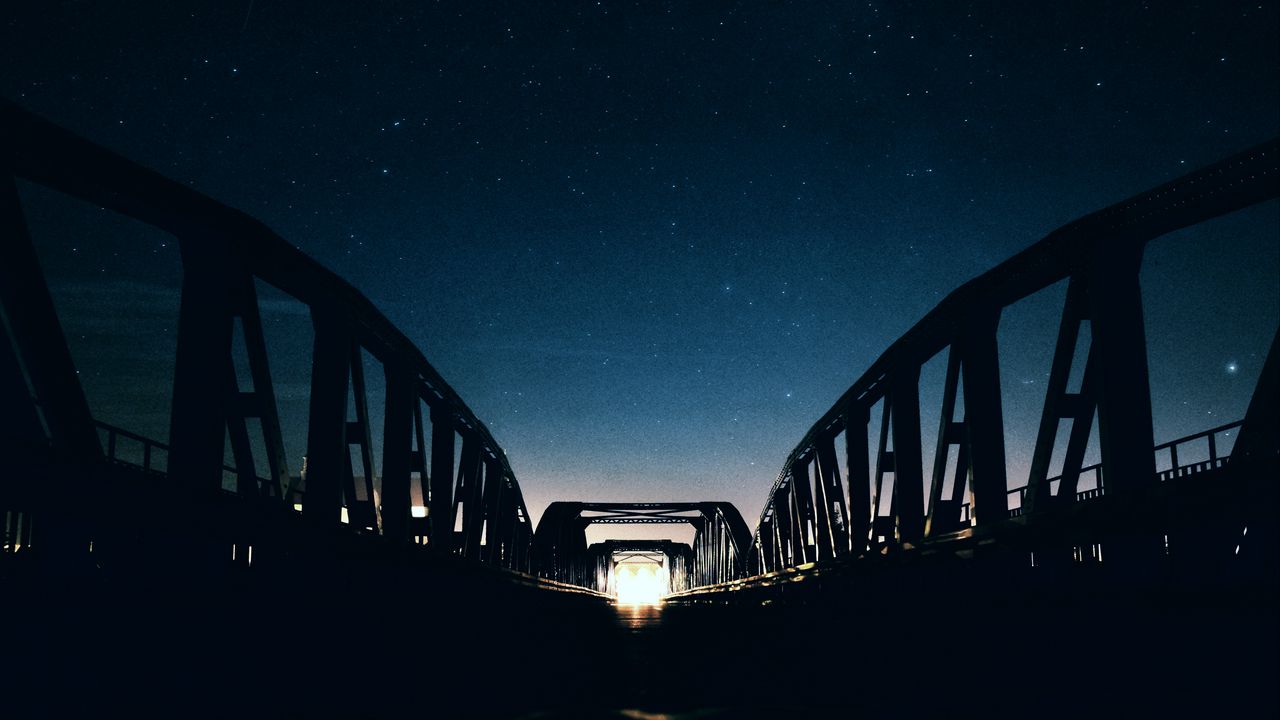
(249, 648)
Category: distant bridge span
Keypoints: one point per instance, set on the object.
(718, 554)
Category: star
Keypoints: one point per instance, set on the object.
(1233, 367)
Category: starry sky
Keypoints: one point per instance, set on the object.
(650, 243)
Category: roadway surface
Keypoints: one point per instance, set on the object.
(403, 646)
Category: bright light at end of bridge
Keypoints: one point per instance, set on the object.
(639, 584)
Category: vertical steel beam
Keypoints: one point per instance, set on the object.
(493, 529)
(522, 535)
(418, 464)
(725, 547)
(397, 451)
(857, 461)
(240, 405)
(1124, 392)
(327, 453)
(908, 472)
(821, 517)
(777, 558)
(360, 434)
(763, 555)
(475, 516)
(440, 504)
(509, 522)
(263, 400)
(834, 516)
(884, 465)
(706, 556)
(1078, 440)
(238, 434)
(783, 523)
(1125, 433)
(710, 546)
(802, 506)
(943, 515)
(984, 422)
(771, 555)
(795, 533)
(201, 402)
(468, 496)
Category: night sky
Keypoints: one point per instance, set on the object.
(651, 243)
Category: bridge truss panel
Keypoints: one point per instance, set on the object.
(1100, 256)
(224, 253)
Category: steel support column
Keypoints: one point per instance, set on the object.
(1125, 433)
(908, 472)
(467, 497)
(857, 460)
(397, 451)
(203, 368)
(261, 402)
(364, 513)
(802, 511)
(327, 454)
(984, 421)
(944, 512)
(833, 520)
(440, 504)
(493, 530)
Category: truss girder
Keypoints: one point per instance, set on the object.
(226, 256)
(1100, 256)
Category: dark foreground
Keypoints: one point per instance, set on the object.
(476, 646)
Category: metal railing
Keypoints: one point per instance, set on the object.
(1215, 460)
(1175, 470)
(149, 450)
(149, 447)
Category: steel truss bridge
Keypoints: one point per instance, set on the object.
(674, 557)
(721, 540)
(160, 576)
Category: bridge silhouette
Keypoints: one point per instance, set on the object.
(150, 574)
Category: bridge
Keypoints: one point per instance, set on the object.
(211, 571)
(716, 555)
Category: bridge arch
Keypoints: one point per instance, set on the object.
(561, 552)
(818, 510)
(472, 503)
